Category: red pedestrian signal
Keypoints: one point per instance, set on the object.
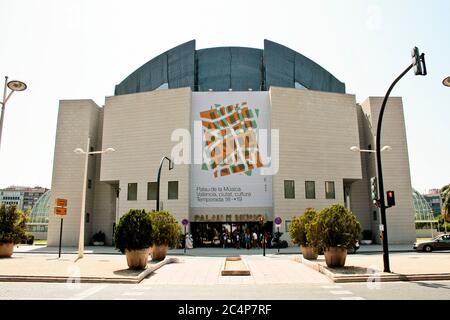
(390, 199)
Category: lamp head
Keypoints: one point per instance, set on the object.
(446, 82)
(355, 149)
(386, 148)
(16, 85)
(78, 151)
(110, 150)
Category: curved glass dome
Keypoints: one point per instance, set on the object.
(423, 211)
(39, 214)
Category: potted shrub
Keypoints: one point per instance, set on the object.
(298, 233)
(133, 236)
(165, 232)
(366, 237)
(335, 229)
(98, 239)
(12, 229)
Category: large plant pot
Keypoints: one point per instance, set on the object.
(137, 259)
(159, 252)
(335, 256)
(6, 250)
(308, 252)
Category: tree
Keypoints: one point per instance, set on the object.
(445, 195)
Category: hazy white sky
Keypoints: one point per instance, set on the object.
(82, 49)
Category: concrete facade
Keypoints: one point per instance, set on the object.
(77, 120)
(396, 171)
(316, 131)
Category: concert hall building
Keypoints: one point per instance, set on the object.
(253, 133)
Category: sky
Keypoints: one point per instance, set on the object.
(82, 49)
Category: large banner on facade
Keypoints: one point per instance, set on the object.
(231, 140)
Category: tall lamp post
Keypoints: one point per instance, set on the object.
(83, 196)
(13, 85)
(158, 180)
(418, 63)
(445, 82)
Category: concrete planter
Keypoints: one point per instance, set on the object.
(6, 250)
(137, 259)
(366, 241)
(308, 253)
(98, 243)
(335, 256)
(159, 252)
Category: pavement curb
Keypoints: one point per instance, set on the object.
(67, 279)
(373, 277)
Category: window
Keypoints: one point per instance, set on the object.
(151, 190)
(132, 191)
(374, 216)
(86, 217)
(329, 190)
(89, 183)
(173, 190)
(289, 189)
(310, 189)
(286, 225)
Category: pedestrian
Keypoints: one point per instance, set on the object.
(247, 241)
(238, 241)
(189, 242)
(255, 240)
(225, 238)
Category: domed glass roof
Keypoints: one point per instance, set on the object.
(40, 211)
(423, 211)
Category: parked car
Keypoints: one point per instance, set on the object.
(349, 250)
(354, 249)
(441, 242)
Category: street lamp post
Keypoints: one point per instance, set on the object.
(445, 82)
(83, 196)
(13, 85)
(420, 69)
(159, 178)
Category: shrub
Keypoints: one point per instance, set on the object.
(99, 237)
(298, 227)
(276, 241)
(134, 231)
(165, 229)
(334, 226)
(282, 244)
(12, 224)
(30, 239)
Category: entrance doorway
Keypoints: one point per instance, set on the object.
(225, 234)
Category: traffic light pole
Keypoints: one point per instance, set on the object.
(380, 173)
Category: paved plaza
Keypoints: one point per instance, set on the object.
(203, 266)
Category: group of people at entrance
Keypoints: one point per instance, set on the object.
(248, 240)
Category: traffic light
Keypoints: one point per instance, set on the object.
(390, 199)
(418, 61)
(374, 190)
